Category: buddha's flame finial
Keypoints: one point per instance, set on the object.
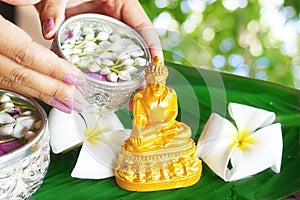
(156, 72)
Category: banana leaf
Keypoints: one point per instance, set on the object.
(201, 92)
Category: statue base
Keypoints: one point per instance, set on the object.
(158, 170)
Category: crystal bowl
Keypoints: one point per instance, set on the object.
(98, 93)
(22, 170)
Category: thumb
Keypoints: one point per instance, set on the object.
(52, 14)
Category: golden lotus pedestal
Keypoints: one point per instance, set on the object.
(158, 170)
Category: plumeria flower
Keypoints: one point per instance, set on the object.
(15, 126)
(101, 137)
(236, 152)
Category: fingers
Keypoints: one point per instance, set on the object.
(134, 15)
(18, 46)
(31, 83)
(52, 14)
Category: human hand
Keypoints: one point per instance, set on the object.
(33, 70)
(53, 13)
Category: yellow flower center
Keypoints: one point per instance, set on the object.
(242, 140)
(92, 135)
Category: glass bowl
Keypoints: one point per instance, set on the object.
(98, 93)
(22, 170)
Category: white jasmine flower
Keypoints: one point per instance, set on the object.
(113, 77)
(124, 75)
(94, 67)
(76, 51)
(88, 49)
(91, 44)
(83, 62)
(104, 44)
(103, 35)
(4, 98)
(106, 55)
(234, 153)
(75, 59)
(122, 56)
(105, 71)
(140, 61)
(7, 105)
(137, 53)
(128, 62)
(117, 46)
(131, 69)
(89, 36)
(114, 38)
(107, 62)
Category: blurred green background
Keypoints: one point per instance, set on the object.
(253, 38)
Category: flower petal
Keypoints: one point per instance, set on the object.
(6, 129)
(26, 121)
(5, 118)
(264, 153)
(250, 118)
(19, 131)
(214, 143)
(107, 148)
(89, 168)
(103, 122)
(63, 129)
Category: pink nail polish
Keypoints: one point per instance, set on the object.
(60, 106)
(75, 105)
(73, 80)
(48, 25)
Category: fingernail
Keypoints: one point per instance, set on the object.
(60, 106)
(73, 80)
(75, 105)
(48, 25)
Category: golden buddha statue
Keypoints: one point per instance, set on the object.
(159, 154)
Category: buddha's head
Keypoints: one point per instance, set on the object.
(156, 72)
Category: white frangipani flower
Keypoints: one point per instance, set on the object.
(16, 127)
(234, 153)
(101, 137)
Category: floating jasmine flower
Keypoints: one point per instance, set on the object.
(131, 69)
(102, 36)
(114, 38)
(94, 67)
(105, 71)
(4, 98)
(101, 139)
(124, 75)
(140, 61)
(113, 77)
(103, 47)
(234, 153)
(129, 62)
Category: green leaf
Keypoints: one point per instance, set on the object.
(201, 92)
